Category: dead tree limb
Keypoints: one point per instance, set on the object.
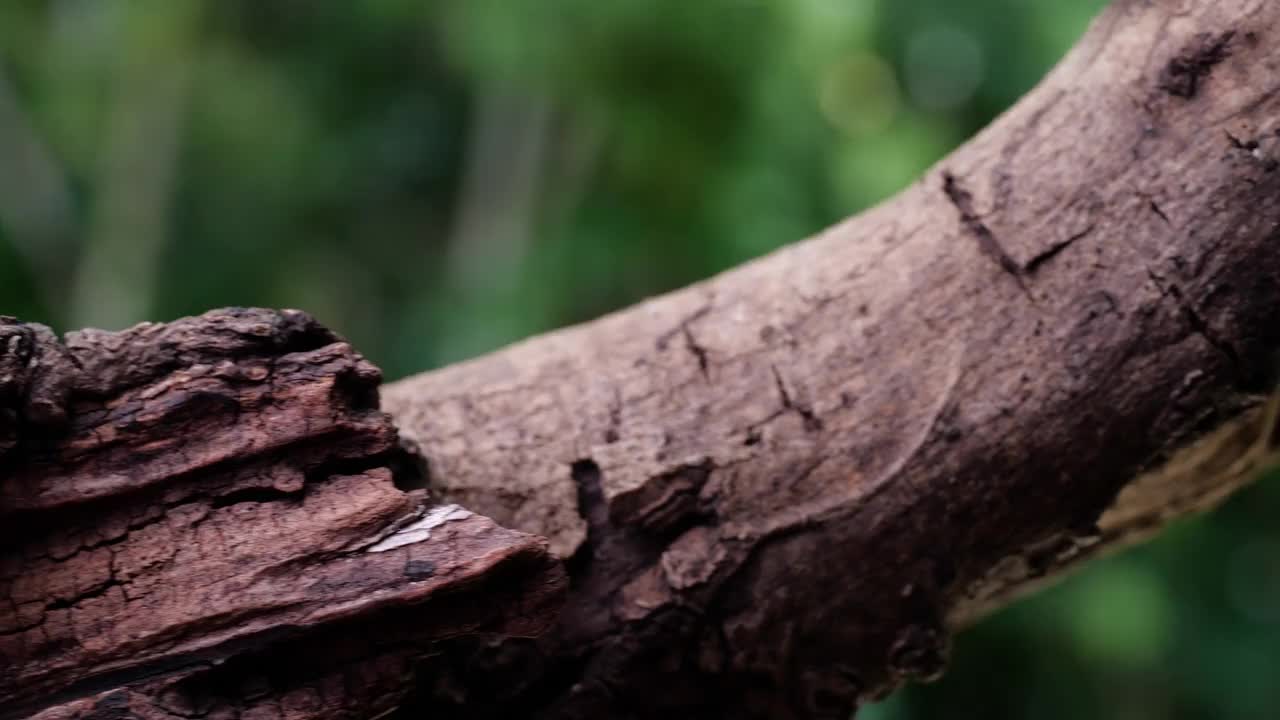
(200, 519)
(776, 492)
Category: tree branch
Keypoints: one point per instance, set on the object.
(793, 481)
(776, 493)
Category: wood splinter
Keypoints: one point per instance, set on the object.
(202, 519)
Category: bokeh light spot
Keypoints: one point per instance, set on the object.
(858, 94)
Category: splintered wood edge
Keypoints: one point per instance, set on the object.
(203, 517)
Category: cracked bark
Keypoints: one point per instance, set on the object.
(201, 519)
(776, 493)
(871, 438)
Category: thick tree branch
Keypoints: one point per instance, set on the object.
(794, 480)
(776, 492)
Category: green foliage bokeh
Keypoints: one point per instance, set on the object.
(437, 179)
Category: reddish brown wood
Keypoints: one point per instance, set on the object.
(777, 493)
(202, 518)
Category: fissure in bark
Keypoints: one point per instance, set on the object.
(775, 493)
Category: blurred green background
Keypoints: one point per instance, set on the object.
(436, 179)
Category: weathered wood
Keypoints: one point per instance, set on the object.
(780, 490)
(776, 493)
(202, 519)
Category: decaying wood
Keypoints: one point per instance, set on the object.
(203, 519)
(776, 493)
(780, 490)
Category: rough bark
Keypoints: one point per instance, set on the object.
(780, 490)
(202, 519)
(776, 493)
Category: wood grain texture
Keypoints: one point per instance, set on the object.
(776, 493)
(780, 490)
(203, 518)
